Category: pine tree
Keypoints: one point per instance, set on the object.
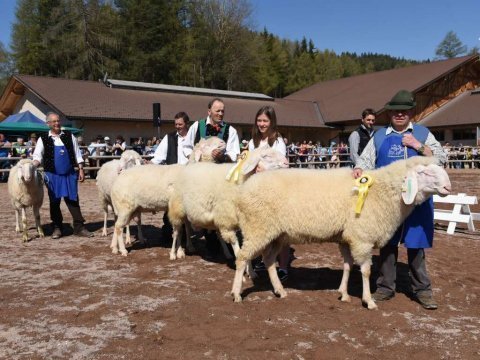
(450, 47)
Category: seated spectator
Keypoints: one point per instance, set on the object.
(119, 146)
(149, 148)
(19, 148)
(31, 144)
(5, 148)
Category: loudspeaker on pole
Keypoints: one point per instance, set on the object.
(157, 115)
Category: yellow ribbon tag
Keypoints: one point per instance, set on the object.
(362, 183)
(234, 173)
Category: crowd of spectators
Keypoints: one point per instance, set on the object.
(305, 154)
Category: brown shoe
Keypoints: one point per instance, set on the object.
(57, 233)
(427, 301)
(382, 296)
(83, 233)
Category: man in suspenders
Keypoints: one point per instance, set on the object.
(399, 140)
(214, 125)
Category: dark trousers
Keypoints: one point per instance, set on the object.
(73, 207)
(388, 270)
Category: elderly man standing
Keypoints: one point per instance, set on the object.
(59, 152)
(360, 137)
(214, 125)
(403, 139)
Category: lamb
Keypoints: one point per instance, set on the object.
(210, 202)
(268, 222)
(148, 189)
(25, 187)
(105, 178)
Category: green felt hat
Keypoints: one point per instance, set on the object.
(403, 100)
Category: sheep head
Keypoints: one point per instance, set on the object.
(264, 159)
(26, 171)
(203, 149)
(129, 159)
(424, 178)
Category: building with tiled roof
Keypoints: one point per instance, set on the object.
(446, 92)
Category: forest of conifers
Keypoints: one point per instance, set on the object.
(202, 43)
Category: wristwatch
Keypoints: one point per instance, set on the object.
(421, 149)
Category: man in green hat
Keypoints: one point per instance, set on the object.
(400, 140)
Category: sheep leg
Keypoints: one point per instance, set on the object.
(347, 267)
(180, 249)
(366, 295)
(17, 221)
(122, 221)
(36, 213)
(114, 243)
(104, 231)
(24, 224)
(176, 232)
(237, 280)
(269, 259)
(230, 237)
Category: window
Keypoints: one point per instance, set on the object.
(464, 134)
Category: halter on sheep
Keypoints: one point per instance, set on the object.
(328, 215)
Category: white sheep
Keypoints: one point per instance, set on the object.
(148, 189)
(25, 187)
(204, 199)
(302, 206)
(105, 178)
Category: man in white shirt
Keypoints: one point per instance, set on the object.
(59, 152)
(170, 149)
(214, 125)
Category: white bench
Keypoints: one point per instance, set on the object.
(461, 211)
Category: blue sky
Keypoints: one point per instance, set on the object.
(407, 28)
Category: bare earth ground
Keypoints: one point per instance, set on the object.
(72, 299)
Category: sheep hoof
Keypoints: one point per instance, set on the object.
(237, 298)
(371, 305)
(173, 256)
(25, 239)
(114, 251)
(17, 230)
(281, 293)
(41, 234)
(346, 298)
(124, 252)
(180, 253)
(104, 232)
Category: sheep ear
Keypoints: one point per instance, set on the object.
(138, 161)
(19, 173)
(197, 154)
(410, 187)
(250, 164)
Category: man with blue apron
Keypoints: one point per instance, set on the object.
(59, 152)
(401, 140)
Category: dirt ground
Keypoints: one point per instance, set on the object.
(72, 299)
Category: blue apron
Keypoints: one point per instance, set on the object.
(62, 183)
(417, 230)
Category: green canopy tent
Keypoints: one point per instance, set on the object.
(29, 127)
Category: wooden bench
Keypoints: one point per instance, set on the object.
(461, 211)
